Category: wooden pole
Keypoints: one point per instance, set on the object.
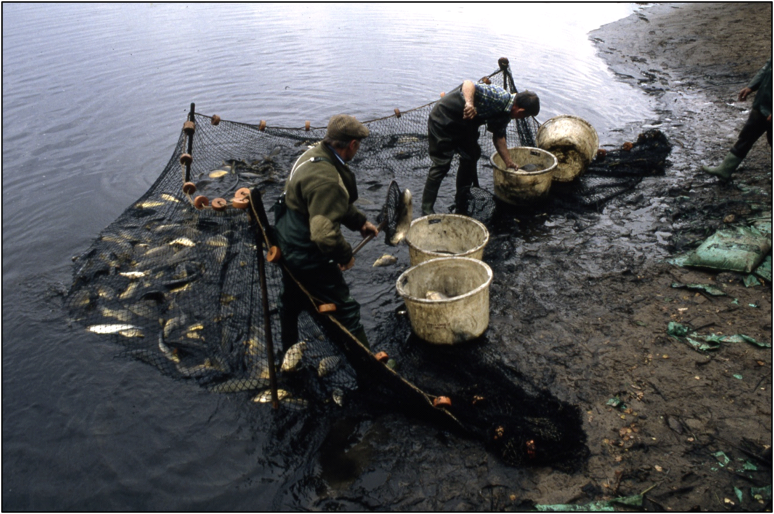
(257, 203)
(190, 146)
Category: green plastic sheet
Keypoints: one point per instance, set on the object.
(709, 341)
(739, 249)
(597, 506)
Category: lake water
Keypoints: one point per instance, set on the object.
(94, 96)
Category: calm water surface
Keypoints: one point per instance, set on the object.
(94, 96)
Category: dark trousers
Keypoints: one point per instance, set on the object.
(326, 284)
(442, 147)
(753, 129)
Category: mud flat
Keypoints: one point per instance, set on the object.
(583, 309)
(681, 407)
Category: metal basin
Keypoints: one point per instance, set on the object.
(446, 235)
(573, 141)
(462, 312)
(522, 187)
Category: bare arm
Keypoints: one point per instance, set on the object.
(469, 93)
(502, 149)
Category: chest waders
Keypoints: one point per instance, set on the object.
(321, 276)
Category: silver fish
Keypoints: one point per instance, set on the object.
(385, 260)
(435, 295)
(111, 328)
(196, 371)
(132, 332)
(133, 274)
(235, 385)
(149, 204)
(184, 241)
(217, 240)
(338, 397)
(80, 298)
(119, 314)
(404, 218)
(327, 365)
(293, 356)
(167, 351)
(265, 396)
(170, 198)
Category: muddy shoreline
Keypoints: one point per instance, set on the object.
(682, 407)
(586, 315)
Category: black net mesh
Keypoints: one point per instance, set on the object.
(179, 287)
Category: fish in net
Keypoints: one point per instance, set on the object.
(174, 280)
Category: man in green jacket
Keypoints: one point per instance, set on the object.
(757, 123)
(319, 196)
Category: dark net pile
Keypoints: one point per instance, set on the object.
(179, 288)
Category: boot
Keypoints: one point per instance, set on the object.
(360, 335)
(429, 195)
(726, 168)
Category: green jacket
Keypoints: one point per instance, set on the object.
(319, 197)
(761, 83)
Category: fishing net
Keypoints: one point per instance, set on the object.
(180, 281)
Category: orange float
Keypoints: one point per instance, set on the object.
(201, 202)
(326, 307)
(442, 401)
(274, 254)
(215, 119)
(242, 192)
(189, 188)
(382, 357)
(219, 204)
(186, 159)
(240, 202)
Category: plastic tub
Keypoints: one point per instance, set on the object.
(522, 187)
(464, 312)
(573, 141)
(446, 235)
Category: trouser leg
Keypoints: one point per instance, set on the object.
(432, 185)
(327, 285)
(441, 152)
(290, 305)
(467, 176)
(755, 126)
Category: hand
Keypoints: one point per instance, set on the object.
(512, 166)
(368, 228)
(469, 112)
(345, 267)
(744, 93)
(769, 118)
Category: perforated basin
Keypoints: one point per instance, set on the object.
(573, 141)
(464, 313)
(446, 235)
(531, 182)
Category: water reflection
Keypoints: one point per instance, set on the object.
(94, 95)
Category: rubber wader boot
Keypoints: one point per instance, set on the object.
(726, 168)
(360, 335)
(429, 195)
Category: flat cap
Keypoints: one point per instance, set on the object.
(342, 127)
